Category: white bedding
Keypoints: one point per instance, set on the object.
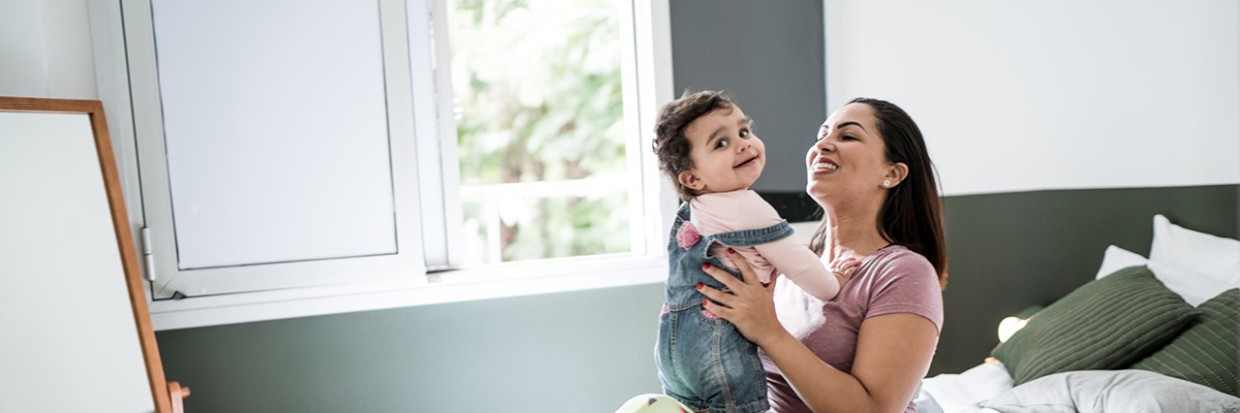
(964, 392)
(1086, 391)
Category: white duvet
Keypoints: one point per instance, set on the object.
(964, 392)
(988, 388)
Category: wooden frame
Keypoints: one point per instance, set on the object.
(159, 387)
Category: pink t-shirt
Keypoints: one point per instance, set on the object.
(891, 280)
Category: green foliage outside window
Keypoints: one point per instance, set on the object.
(537, 84)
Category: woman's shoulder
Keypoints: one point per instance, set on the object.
(904, 281)
(897, 261)
(898, 254)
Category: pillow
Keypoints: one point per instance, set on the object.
(1112, 391)
(1194, 264)
(1208, 352)
(1115, 258)
(1107, 323)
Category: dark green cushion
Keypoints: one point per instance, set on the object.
(1208, 351)
(1108, 323)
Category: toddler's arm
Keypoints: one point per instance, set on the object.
(802, 267)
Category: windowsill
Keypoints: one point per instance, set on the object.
(509, 280)
(439, 288)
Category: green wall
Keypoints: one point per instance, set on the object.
(585, 351)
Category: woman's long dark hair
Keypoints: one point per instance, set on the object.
(912, 216)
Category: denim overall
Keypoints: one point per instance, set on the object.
(704, 362)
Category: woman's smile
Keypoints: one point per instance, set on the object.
(822, 166)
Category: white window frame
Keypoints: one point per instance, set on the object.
(163, 271)
(647, 85)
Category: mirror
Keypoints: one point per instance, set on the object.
(78, 336)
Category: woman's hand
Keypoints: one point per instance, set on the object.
(748, 305)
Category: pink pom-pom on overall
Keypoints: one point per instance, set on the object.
(687, 236)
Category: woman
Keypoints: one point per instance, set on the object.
(867, 349)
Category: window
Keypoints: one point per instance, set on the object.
(541, 130)
(289, 150)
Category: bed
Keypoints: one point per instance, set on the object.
(1148, 334)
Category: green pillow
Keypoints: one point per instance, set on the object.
(1208, 352)
(1105, 324)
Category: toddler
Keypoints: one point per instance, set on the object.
(706, 145)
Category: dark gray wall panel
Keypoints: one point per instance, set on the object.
(769, 56)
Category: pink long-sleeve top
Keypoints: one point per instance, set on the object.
(740, 210)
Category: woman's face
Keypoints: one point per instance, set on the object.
(848, 161)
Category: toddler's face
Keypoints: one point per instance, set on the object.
(726, 155)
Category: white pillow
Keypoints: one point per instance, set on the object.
(1116, 258)
(1196, 265)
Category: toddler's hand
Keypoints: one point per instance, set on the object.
(844, 267)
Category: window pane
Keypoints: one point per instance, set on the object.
(540, 122)
(277, 139)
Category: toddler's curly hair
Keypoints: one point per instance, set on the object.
(671, 145)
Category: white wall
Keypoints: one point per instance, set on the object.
(1012, 95)
(45, 50)
(1051, 94)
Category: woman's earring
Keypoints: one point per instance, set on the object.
(886, 183)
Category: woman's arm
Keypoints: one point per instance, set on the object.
(893, 350)
(893, 354)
